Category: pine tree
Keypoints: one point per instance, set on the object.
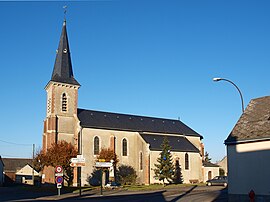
(178, 177)
(165, 168)
(207, 158)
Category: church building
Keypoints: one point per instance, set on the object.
(135, 139)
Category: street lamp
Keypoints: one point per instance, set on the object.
(222, 79)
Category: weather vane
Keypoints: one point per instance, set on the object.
(65, 11)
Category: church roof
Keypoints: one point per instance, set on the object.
(177, 143)
(254, 124)
(62, 71)
(126, 122)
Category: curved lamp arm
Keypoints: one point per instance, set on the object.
(241, 96)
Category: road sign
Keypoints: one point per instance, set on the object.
(104, 164)
(59, 174)
(59, 179)
(79, 159)
(58, 169)
(59, 186)
(77, 164)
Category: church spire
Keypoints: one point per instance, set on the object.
(62, 71)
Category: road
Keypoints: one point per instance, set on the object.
(184, 194)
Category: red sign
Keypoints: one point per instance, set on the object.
(58, 169)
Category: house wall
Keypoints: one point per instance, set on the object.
(193, 173)
(135, 144)
(223, 165)
(214, 172)
(1, 173)
(248, 169)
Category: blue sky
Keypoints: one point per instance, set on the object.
(152, 58)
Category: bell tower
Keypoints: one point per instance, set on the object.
(62, 98)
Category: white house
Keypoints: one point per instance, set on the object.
(25, 175)
(248, 151)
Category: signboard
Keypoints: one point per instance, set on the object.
(59, 174)
(77, 164)
(77, 160)
(59, 186)
(59, 179)
(58, 169)
(104, 164)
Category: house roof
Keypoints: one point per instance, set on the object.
(62, 71)
(254, 124)
(177, 143)
(209, 164)
(14, 164)
(126, 122)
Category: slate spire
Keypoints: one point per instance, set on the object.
(62, 71)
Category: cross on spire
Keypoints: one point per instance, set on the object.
(65, 11)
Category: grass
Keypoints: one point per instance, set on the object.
(158, 186)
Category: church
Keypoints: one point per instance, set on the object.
(135, 139)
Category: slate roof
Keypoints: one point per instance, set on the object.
(14, 164)
(177, 143)
(62, 71)
(209, 164)
(254, 124)
(125, 122)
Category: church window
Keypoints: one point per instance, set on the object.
(64, 102)
(186, 161)
(141, 161)
(96, 145)
(124, 147)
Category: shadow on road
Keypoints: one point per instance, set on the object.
(182, 195)
(156, 196)
(23, 192)
(223, 195)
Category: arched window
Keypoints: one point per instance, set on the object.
(64, 102)
(96, 145)
(124, 147)
(141, 161)
(186, 161)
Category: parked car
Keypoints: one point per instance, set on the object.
(218, 180)
(112, 185)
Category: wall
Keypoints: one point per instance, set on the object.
(135, 146)
(193, 173)
(1, 172)
(214, 172)
(248, 168)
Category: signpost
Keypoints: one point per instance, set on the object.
(59, 178)
(78, 162)
(103, 165)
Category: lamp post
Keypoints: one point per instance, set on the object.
(222, 79)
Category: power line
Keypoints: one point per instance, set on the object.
(7, 142)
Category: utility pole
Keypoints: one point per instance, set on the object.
(33, 174)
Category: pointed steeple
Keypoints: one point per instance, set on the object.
(62, 71)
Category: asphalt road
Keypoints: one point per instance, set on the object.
(184, 194)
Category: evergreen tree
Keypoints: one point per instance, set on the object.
(207, 158)
(164, 167)
(178, 177)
